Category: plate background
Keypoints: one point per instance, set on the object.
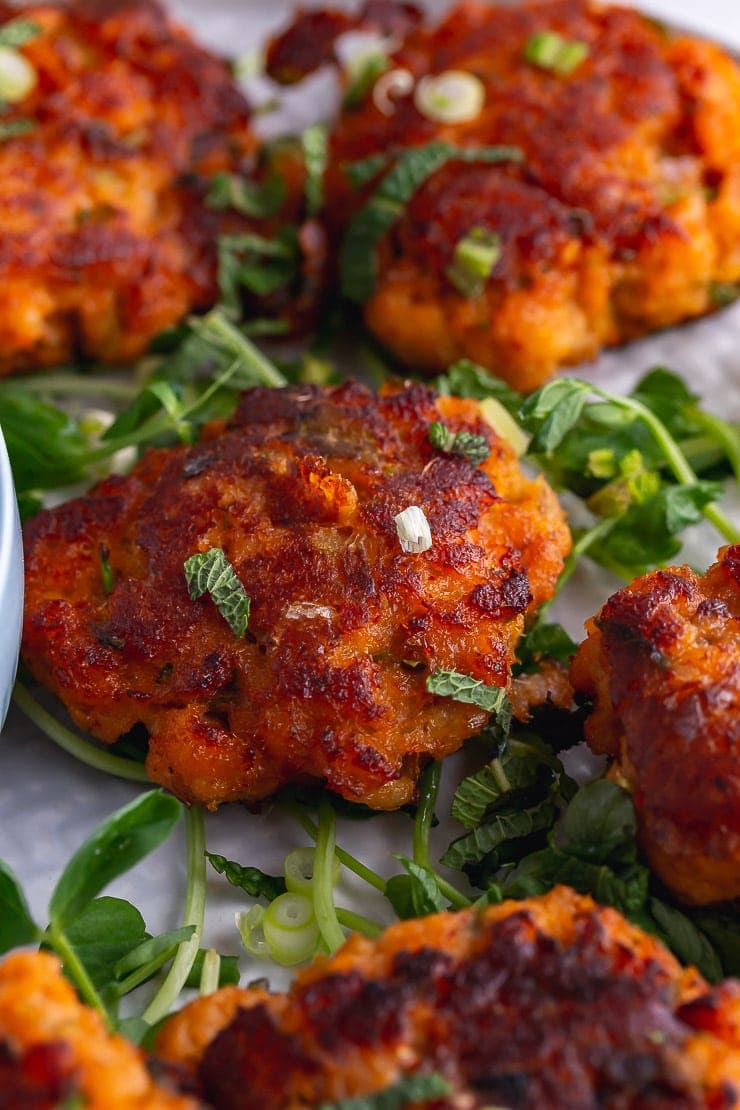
(49, 802)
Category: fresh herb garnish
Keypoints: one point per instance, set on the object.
(17, 32)
(251, 880)
(314, 143)
(254, 263)
(257, 199)
(463, 687)
(211, 572)
(14, 128)
(470, 446)
(365, 74)
(357, 257)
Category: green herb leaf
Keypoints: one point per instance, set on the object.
(415, 894)
(360, 173)
(462, 687)
(17, 32)
(552, 412)
(101, 934)
(472, 447)
(544, 641)
(45, 446)
(151, 949)
(682, 937)
(259, 265)
(251, 880)
(211, 572)
(503, 826)
(114, 847)
(600, 824)
(257, 199)
(357, 260)
(413, 1089)
(17, 927)
(466, 379)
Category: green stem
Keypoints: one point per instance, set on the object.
(428, 790)
(194, 914)
(350, 862)
(723, 433)
(675, 458)
(357, 923)
(500, 777)
(76, 970)
(323, 875)
(578, 550)
(74, 745)
(215, 325)
(80, 385)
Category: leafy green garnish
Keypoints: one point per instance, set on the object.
(211, 572)
(549, 50)
(367, 73)
(259, 265)
(17, 927)
(257, 199)
(472, 447)
(251, 880)
(414, 1088)
(463, 687)
(14, 128)
(17, 32)
(357, 259)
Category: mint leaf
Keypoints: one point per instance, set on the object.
(17, 927)
(465, 688)
(211, 572)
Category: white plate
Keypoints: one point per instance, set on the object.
(49, 802)
(11, 581)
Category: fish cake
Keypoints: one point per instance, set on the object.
(300, 490)
(105, 237)
(661, 663)
(622, 216)
(56, 1052)
(550, 1002)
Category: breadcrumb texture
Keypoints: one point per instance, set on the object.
(623, 218)
(52, 1048)
(105, 239)
(300, 490)
(662, 664)
(549, 1002)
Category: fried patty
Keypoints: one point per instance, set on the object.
(300, 491)
(550, 1003)
(623, 217)
(105, 238)
(55, 1052)
(662, 664)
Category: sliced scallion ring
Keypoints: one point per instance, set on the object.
(290, 929)
(473, 261)
(17, 76)
(450, 97)
(392, 86)
(250, 925)
(299, 870)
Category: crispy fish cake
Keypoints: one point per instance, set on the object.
(104, 235)
(55, 1052)
(550, 1002)
(623, 216)
(300, 490)
(662, 664)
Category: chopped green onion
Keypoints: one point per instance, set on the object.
(17, 76)
(504, 424)
(106, 573)
(315, 156)
(323, 897)
(414, 533)
(364, 75)
(209, 976)
(299, 865)
(250, 925)
(474, 260)
(450, 97)
(392, 86)
(290, 929)
(549, 50)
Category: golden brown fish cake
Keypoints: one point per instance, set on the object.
(105, 239)
(551, 1002)
(54, 1049)
(623, 217)
(300, 490)
(662, 664)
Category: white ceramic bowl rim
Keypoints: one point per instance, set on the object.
(11, 580)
